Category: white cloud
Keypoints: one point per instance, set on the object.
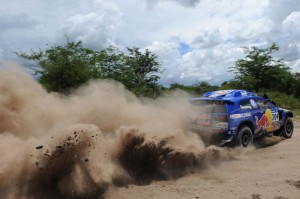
(95, 26)
(210, 31)
(186, 3)
(208, 39)
(279, 10)
(292, 24)
(11, 22)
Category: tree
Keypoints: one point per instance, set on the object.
(196, 89)
(203, 87)
(297, 84)
(137, 71)
(259, 70)
(140, 73)
(62, 68)
(111, 63)
(189, 89)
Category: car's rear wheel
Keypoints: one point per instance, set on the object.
(288, 128)
(245, 137)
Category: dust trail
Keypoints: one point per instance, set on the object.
(77, 146)
(155, 158)
(294, 183)
(267, 141)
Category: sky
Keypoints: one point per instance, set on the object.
(195, 40)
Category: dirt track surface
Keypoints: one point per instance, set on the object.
(271, 172)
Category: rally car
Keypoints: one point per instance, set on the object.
(238, 117)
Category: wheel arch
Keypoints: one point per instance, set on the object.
(289, 114)
(246, 123)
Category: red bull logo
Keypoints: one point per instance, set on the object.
(268, 122)
(262, 123)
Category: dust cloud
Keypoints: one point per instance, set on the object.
(77, 146)
(267, 141)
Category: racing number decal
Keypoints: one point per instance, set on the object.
(268, 121)
(275, 121)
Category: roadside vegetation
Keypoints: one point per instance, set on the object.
(64, 68)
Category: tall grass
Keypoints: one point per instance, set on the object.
(285, 101)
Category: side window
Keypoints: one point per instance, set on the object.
(263, 104)
(248, 104)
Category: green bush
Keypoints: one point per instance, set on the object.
(285, 101)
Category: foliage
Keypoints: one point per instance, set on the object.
(297, 84)
(64, 67)
(284, 100)
(140, 73)
(196, 89)
(175, 86)
(110, 62)
(259, 70)
(232, 84)
(203, 87)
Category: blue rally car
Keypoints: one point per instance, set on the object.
(238, 116)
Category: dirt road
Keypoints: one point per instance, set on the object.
(271, 172)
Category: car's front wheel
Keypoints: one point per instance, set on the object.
(288, 128)
(245, 137)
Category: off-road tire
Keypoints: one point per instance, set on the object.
(288, 128)
(245, 137)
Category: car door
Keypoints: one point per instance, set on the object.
(267, 118)
(249, 109)
(275, 125)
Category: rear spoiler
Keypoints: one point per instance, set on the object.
(211, 99)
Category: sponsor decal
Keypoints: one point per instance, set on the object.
(275, 121)
(276, 125)
(253, 103)
(221, 125)
(222, 92)
(240, 115)
(268, 122)
(262, 123)
(275, 116)
(199, 127)
(245, 107)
